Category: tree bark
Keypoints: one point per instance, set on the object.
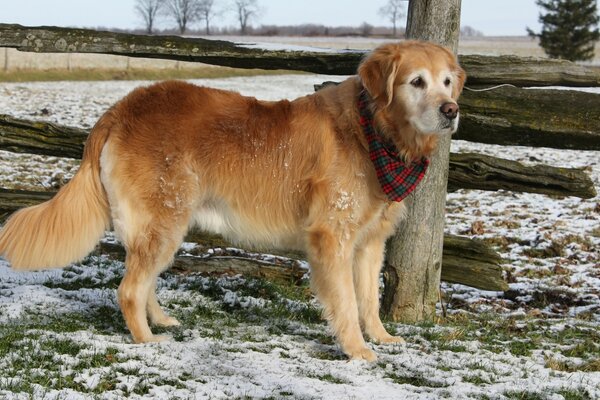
(414, 256)
(482, 70)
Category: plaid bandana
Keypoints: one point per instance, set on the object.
(397, 179)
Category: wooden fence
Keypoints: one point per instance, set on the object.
(508, 116)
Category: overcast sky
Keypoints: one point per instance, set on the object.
(492, 17)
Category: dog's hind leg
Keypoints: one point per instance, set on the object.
(331, 280)
(156, 315)
(150, 213)
(148, 254)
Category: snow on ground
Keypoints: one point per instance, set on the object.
(62, 335)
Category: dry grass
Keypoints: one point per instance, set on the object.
(99, 74)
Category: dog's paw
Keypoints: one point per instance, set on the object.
(363, 354)
(387, 339)
(166, 322)
(153, 339)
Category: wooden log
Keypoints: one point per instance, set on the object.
(465, 261)
(224, 265)
(468, 172)
(562, 119)
(26, 136)
(12, 200)
(482, 70)
(49, 39)
(472, 262)
(478, 171)
(527, 71)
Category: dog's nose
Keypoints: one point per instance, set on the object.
(450, 110)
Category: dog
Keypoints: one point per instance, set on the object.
(324, 174)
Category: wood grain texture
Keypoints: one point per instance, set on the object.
(563, 119)
(413, 264)
(482, 70)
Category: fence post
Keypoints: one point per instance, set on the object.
(6, 59)
(414, 255)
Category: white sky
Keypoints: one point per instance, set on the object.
(492, 17)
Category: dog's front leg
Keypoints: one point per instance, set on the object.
(330, 257)
(367, 267)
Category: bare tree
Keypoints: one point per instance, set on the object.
(394, 11)
(183, 11)
(206, 12)
(246, 10)
(148, 10)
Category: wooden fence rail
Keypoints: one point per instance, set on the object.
(466, 261)
(560, 119)
(502, 116)
(482, 70)
(469, 171)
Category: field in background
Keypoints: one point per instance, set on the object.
(62, 334)
(18, 66)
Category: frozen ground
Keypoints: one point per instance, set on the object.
(62, 335)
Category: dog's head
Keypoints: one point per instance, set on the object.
(414, 85)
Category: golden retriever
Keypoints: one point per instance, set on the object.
(293, 174)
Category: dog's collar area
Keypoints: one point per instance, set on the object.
(396, 177)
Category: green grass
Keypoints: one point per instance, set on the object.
(94, 74)
(327, 378)
(414, 380)
(524, 396)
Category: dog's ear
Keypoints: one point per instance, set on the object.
(378, 73)
(461, 77)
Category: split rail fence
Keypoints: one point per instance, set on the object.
(509, 115)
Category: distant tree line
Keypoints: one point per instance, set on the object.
(196, 17)
(185, 13)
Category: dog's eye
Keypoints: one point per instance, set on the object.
(418, 82)
(447, 82)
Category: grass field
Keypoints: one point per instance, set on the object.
(62, 335)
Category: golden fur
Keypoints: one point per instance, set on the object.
(290, 174)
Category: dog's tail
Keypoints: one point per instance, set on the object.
(67, 227)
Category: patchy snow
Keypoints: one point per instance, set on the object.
(62, 335)
(269, 46)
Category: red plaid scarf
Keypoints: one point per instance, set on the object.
(397, 179)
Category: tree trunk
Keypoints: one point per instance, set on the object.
(414, 256)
